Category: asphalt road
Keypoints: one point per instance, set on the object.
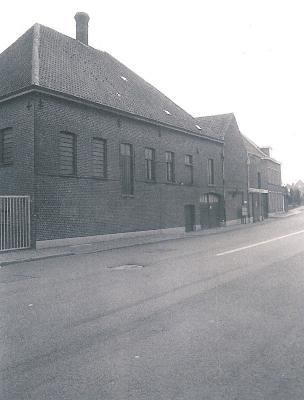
(212, 317)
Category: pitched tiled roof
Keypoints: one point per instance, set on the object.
(252, 148)
(216, 125)
(51, 60)
(16, 65)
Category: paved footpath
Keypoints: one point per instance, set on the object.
(13, 257)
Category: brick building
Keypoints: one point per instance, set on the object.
(96, 148)
(276, 192)
(235, 189)
(88, 148)
(252, 179)
(266, 194)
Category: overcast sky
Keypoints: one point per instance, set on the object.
(210, 57)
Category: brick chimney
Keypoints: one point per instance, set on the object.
(82, 23)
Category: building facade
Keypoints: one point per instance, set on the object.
(276, 193)
(90, 149)
(266, 194)
(252, 178)
(97, 149)
(235, 157)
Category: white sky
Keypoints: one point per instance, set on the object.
(208, 56)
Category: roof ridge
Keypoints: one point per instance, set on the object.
(216, 115)
(227, 118)
(35, 55)
(47, 58)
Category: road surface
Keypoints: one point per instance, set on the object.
(211, 317)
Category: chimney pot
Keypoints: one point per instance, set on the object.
(82, 22)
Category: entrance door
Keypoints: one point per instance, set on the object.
(210, 211)
(189, 217)
(214, 211)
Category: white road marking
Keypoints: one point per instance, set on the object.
(259, 243)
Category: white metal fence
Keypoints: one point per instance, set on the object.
(15, 222)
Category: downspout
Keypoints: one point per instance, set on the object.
(224, 188)
(35, 81)
(248, 186)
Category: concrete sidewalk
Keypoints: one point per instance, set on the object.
(13, 257)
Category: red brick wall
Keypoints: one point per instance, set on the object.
(83, 205)
(235, 171)
(257, 165)
(18, 178)
(276, 192)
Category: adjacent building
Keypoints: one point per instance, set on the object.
(235, 159)
(252, 178)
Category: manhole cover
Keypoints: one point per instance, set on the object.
(126, 266)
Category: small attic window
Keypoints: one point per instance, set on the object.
(124, 78)
(167, 112)
(198, 127)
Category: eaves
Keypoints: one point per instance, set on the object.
(115, 111)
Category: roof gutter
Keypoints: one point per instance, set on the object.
(36, 89)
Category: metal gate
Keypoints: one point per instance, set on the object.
(15, 226)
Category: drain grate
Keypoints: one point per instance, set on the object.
(126, 266)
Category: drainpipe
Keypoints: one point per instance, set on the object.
(248, 186)
(224, 189)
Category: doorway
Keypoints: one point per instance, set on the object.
(189, 211)
(210, 211)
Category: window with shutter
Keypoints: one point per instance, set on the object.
(99, 157)
(6, 146)
(67, 149)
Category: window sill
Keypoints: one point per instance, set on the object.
(128, 196)
(150, 181)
